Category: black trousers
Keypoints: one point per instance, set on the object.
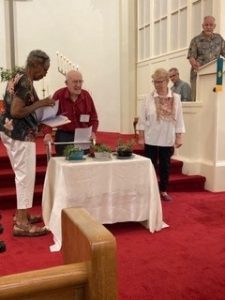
(62, 136)
(161, 160)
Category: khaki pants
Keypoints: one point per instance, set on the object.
(22, 157)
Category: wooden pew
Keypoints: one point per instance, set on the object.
(89, 253)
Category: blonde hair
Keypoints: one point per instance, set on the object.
(160, 73)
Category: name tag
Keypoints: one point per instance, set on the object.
(84, 118)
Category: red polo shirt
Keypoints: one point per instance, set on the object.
(81, 113)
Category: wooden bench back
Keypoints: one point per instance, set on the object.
(89, 273)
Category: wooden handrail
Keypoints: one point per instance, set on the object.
(50, 279)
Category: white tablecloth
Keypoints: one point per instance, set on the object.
(112, 191)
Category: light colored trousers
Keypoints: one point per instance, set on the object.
(22, 157)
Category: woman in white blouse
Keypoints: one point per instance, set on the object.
(161, 127)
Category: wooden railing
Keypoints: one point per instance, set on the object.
(89, 252)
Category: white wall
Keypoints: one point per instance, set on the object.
(2, 43)
(86, 32)
(2, 34)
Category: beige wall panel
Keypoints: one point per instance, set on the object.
(143, 78)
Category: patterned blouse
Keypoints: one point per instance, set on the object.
(23, 129)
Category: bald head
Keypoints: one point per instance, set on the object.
(73, 74)
(74, 81)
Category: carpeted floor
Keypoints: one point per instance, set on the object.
(184, 261)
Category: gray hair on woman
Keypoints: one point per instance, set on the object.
(37, 57)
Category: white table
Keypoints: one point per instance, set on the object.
(112, 191)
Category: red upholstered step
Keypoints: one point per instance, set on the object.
(8, 196)
(186, 183)
(7, 176)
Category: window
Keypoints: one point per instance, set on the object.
(178, 24)
(160, 26)
(163, 25)
(143, 29)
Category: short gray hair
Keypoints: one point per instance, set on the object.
(209, 17)
(174, 70)
(37, 57)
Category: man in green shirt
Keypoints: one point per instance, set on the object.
(204, 48)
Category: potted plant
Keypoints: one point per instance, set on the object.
(102, 151)
(72, 152)
(7, 74)
(124, 149)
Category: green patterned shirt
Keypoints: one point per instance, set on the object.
(205, 49)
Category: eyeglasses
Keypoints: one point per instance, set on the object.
(78, 81)
(158, 81)
(173, 75)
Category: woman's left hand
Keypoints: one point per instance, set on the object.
(178, 140)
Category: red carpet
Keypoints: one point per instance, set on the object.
(25, 254)
(185, 261)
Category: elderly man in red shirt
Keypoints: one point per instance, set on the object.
(78, 105)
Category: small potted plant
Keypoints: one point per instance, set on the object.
(102, 151)
(124, 149)
(72, 152)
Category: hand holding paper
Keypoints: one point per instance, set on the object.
(48, 115)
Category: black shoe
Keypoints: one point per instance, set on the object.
(1, 229)
(2, 247)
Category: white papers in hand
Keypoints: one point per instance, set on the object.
(47, 112)
(48, 115)
(56, 121)
(82, 137)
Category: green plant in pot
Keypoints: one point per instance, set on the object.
(102, 151)
(72, 152)
(7, 74)
(124, 148)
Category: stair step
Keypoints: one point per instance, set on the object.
(5, 163)
(186, 183)
(7, 176)
(8, 196)
(178, 181)
(176, 167)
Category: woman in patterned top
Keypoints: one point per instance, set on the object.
(19, 127)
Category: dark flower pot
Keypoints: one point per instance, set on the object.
(124, 153)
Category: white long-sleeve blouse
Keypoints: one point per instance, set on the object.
(160, 132)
